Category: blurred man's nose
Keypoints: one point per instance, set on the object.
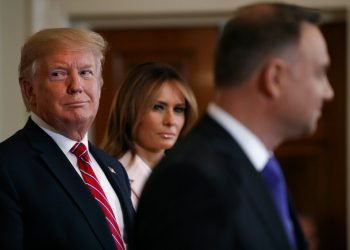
(329, 92)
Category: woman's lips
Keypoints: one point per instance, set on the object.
(168, 135)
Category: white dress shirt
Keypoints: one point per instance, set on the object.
(138, 172)
(65, 144)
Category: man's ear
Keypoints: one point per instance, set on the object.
(273, 75)
(27, 93)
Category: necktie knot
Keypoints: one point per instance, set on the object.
(80, 151)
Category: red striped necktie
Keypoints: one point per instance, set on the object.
(89, 177)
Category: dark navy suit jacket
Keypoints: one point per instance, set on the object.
(206, 194)
(44, 203)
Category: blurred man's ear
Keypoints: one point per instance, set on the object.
(273, 75)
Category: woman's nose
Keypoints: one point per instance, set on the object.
(169, 118)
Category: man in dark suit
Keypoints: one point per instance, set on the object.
(52, 197)
(212, 191)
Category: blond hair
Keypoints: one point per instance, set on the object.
(47, 41)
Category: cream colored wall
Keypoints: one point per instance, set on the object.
(19, 18)
(111, 7)
(12, 30)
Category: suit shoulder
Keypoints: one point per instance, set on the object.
(206, 140)
(14, 143)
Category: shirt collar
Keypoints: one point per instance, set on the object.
(255, 150)
(64, 143)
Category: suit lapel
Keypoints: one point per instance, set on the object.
(71, 182)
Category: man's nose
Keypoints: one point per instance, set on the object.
(74, 83)
(329, 92)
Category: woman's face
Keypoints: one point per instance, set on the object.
(163, 120)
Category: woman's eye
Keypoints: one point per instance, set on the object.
(180, 110)
(58, 75)
(158, 107)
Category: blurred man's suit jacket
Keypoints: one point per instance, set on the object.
(207, 195)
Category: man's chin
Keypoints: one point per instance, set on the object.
(309, 130)
(303, 131)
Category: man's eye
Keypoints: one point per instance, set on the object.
(86, 73)
(58, 75)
